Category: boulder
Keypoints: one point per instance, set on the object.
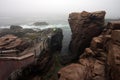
(72, 72)
(84, 27)
(87, 69)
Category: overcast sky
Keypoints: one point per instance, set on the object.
(57, 7)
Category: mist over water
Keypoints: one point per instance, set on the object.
(52, 11)
(6, 21)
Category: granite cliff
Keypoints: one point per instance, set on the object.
(30, 54)
(98, 49)
(84, 26)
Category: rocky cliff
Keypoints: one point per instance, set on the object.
(113, 51)
(84, 27)
(44, 44)
(101, 58)
(51, 41)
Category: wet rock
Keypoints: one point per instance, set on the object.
(84, 27)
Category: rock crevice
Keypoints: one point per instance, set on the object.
(84, 27)
(100, 60)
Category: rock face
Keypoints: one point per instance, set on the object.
(12, 43)
(91, 65)
(51, 41)
(40, 23)
(100, 61)
(113, 58)
(16, 51)
(42, 44)
(84, 27)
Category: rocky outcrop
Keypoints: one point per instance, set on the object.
(91, 65)
(16, 30)
(51, 40)
(40, 23)
(84, 27)
(100, 61)
(89, 70)
(15, 27)
(11, 42)
(16, 50)
(16, 39)
(113, 49)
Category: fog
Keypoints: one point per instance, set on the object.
(54, 9)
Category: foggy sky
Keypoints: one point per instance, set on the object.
(59, 8)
